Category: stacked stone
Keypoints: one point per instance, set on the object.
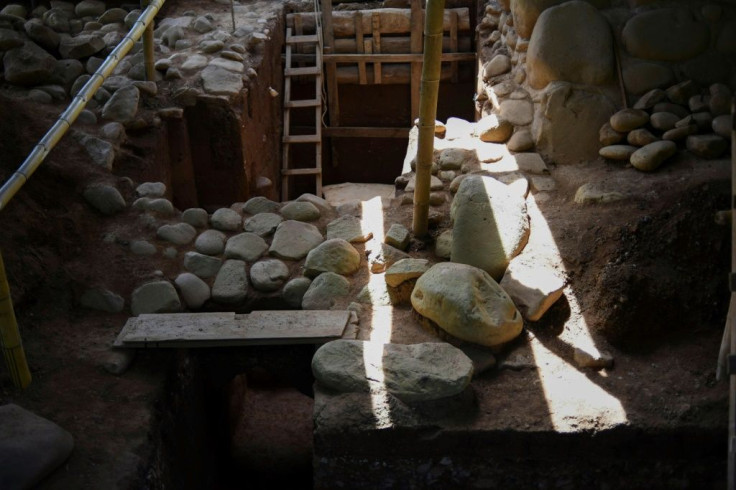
(259, 248)
(649, 133)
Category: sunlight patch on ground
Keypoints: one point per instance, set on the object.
(373, 362)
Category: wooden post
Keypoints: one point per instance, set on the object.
(453, 43)
(431, 71)
(732, 325)
(416, 47)
(148, 57)
(376, 28)
(359, 45)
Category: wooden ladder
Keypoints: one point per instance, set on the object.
(289, 104)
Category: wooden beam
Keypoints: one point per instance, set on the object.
(376, 30)
(361, 132)
(393, 57)
(328, 34)
(359, 45)
(453, 44)
(393, 74)
(400, 44)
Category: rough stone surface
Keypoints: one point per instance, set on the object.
(533, 289)
(268, 275)
(335, 255)
(263, 224)
(260, 204)
(155, 297)
(28, 65)
(567, 132)
(467, 304)
(571, 42)
(498, 65)
(609, 136)
(81, 46)
(521, 141)
(405, 270)
(490, 225)
(202, 265)
(398, 236)
(226, 219)
(517, 112)
(300, 211)
(101, 152)
(104, 198)
(31, 447)
(194, 291)
(665, 35)
(294, 291)
(219, 81)
(663, 121)
(123, 105)
(294, 239)
(644, 76)
(651, 156)
(245, 246)
(324, 291)
(591, 193)
(641, 137)
(102, 300)
(443, 245)
(706, 145)
(412, 373)
(142, 247)
(231, 283)
(151, 189)
(385, 256)
(494, 129)
(628, 119)
(210, 242)
(196, 217)
(650, 99)
(596, 360)
(617, 152)
(348, 228)
(178, 234)
(682, 92)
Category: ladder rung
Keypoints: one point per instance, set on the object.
(307, 70)
(303, 103)
(310, 38)
(303, 138)
(301, 171)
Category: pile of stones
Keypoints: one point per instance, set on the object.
(663, 120)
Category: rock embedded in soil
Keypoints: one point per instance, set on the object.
(585, 359)
(194, 291)
(641, 137)
(397, 236)
(627, 120)
(405, 270)
(123, 105)
(491, 225)
(300, 211)
(293, 240)
(467, 303)
(31, 447)
(81, 46)
(245, 246)
(101, 299)
(591, 193)
(348, 228)
(202, 265)
(533, 289)
(260, 204)
(118, 361)
(178, 234)
(226, 219)
(650, 157)
(100, 151)
(104, 198)
(231, 284)
(325, 291)
(210, 242)
(151, 189)
(263, 224)
(706, 146)
(335, 255)
(155, 297)
(443, 245)
(268, 275)
(142, 247)
(383, 257)
(411, 373)
(294, 290)
(617, 152)
(196, 217)
(320, 203)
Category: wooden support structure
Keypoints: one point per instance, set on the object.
(312, 138)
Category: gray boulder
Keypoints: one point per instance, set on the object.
(268, 275)
(260, 204)
(155, 297)
(194, 291)
(300, 211)
(294, 239)
(648, 158)
(81, 46)
(28, 65)
(245, 246)
(123, 105)
(263, 224)
(325, 291)
(202, 265)
(42, 35)
(210, 242)
(231, 283)
(665, 34)
(196, 217)
(335, 255)
(101, 299)
(532, 288)
(104, 198)
(294, 291)
(467, 303)
(178, 234)
(226, 219)
(348, 228)
(412, 373)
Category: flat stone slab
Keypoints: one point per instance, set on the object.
(31, 447)
(230, 330)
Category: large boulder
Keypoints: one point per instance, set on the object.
(412, 373)
(28, 65)
(155, 297)
(123, 105)
(526, 13)
(325, 291)
(294, 239)
(642, 77)
(665, 35)
(231, 283)
(335, 255)
(571, 42)
(81, 46)
(491, 224)
(566, 130)
(467, 303)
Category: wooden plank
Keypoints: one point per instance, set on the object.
(416, 42)
(393, 57)
(303, 71)
(302, 171)
(453, 44)
(302, 138)
(299, 30)
(175, 330)
(393, 21)
(302, 39)
(296, 104)
(397, 74)
(359, 45)
(365, 132)
(376, 30)
(395, 44)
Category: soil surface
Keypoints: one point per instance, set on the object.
(646, 282)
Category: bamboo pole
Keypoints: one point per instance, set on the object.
(431, 71)
(10, 341)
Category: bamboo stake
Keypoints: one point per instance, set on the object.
(431, 71)
(10, 341)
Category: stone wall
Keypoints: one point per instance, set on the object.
(564, 56)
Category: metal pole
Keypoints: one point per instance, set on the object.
(148, 57)
(431, 69)
(10, 341)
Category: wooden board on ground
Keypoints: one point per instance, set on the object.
(167, 330)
